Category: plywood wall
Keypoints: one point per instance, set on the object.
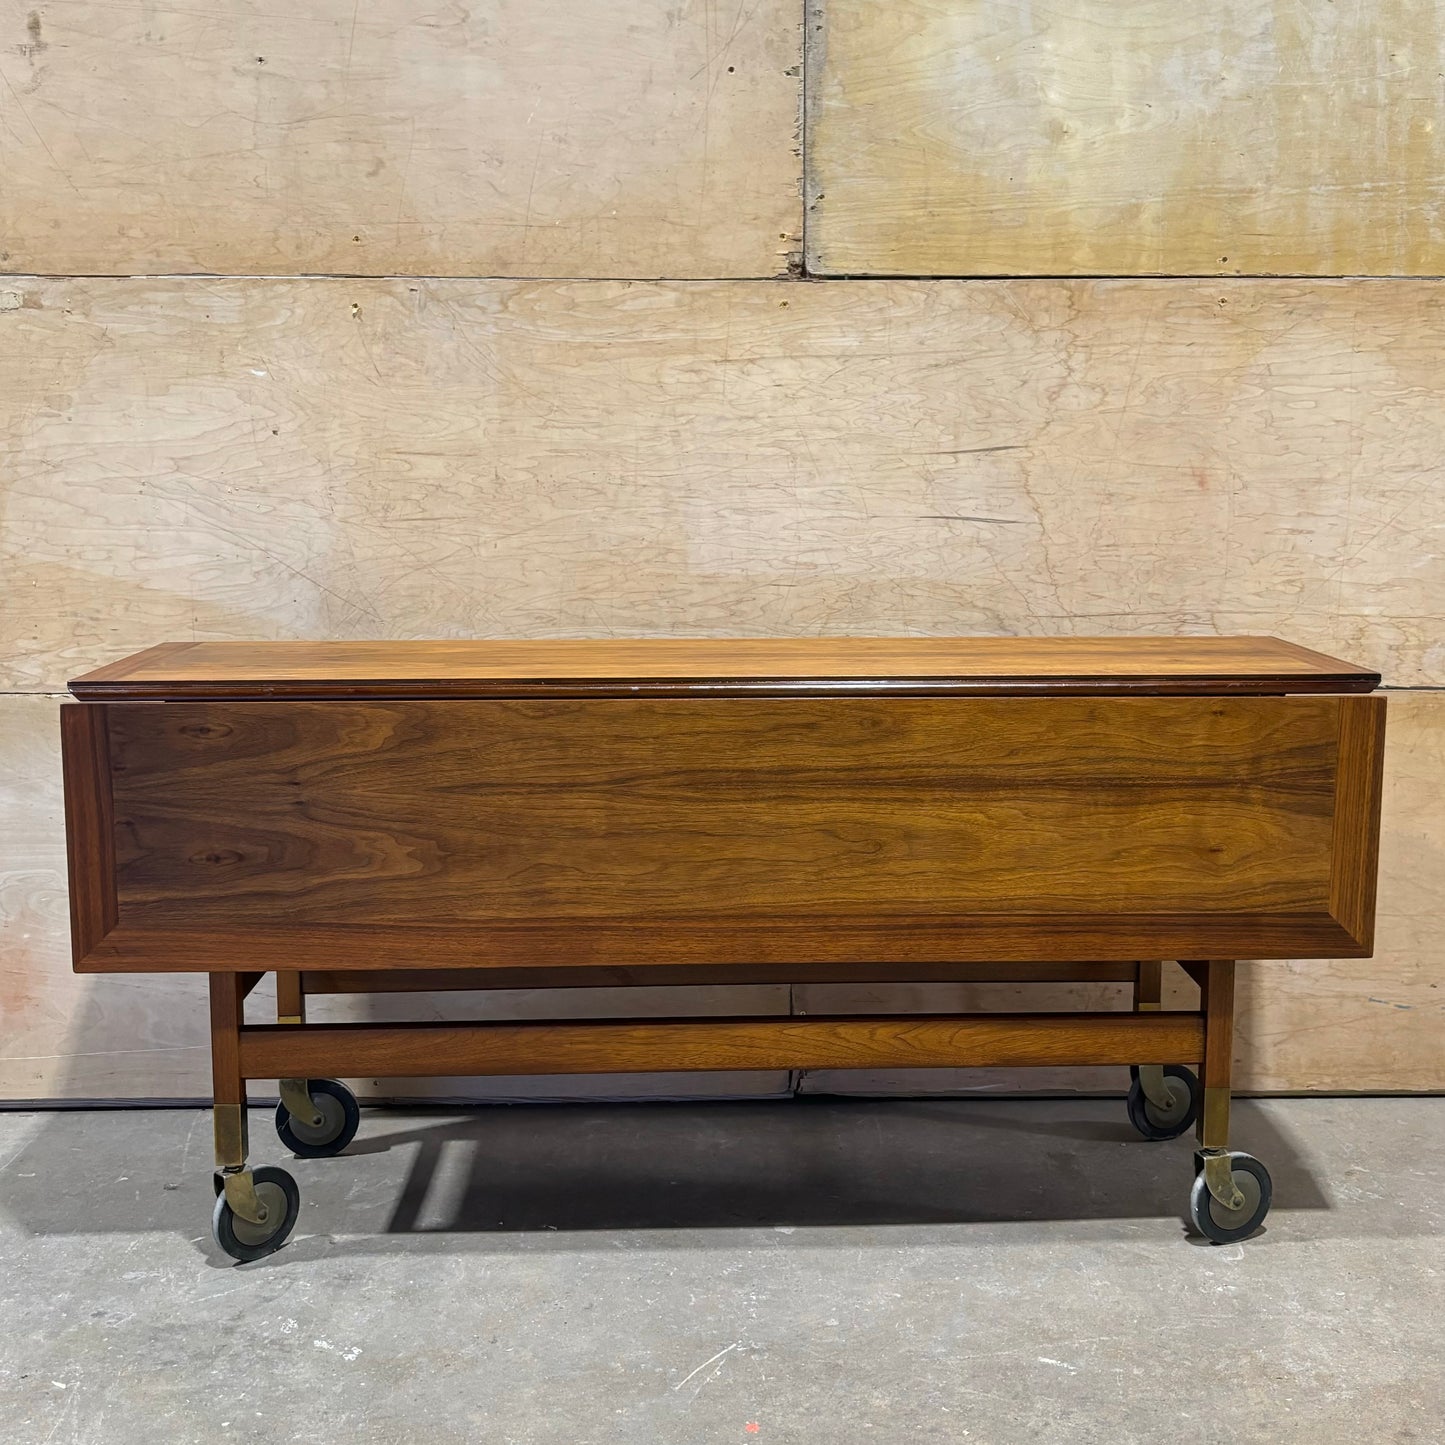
(516, 138)
(988, 137)
(382, 452)
(249, 458)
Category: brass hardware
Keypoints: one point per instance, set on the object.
(232, 1136)
(299, 1103)
(241, 1196)
(1219, 1178)
(1214, 1118)
(293, 1019)
(1151, 1081)
(232, 1144)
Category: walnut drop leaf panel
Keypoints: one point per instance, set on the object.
(656, 815)
(1314, 1025)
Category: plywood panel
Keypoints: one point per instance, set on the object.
(525, 137)
(988, 137)
(339, 458)
(1362, 1024)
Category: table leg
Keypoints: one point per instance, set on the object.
(317, 1117)
(255, 1209)
(302, 1110)
(227, 1086)
(1217, 1001)
(1148, 985)
(290, 997)
(1232, 1190)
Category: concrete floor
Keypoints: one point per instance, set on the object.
(805, 1273)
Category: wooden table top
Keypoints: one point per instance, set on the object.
(754, 666)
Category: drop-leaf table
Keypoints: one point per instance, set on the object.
(362, 816)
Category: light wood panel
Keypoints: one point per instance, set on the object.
(986, 137)
(523, 137)
(372, 459)
(1321, 1025)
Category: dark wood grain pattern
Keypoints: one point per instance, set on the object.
(442, 980)
(369, 816)
(1357, 815)
(227, 1002)
(1217, 1005)
(580, 949)
(89, 825)
(1216, 1000)
(610, 833)
(661, 1045)
(723, 667)
(499, 812)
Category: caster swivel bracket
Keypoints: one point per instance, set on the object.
(299, 1103)
(1219, 1178)
(240, 1191)
(1151, 1082)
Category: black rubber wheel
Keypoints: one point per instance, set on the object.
(1229, 1226)
(339, 1117)
(1156, 1123)
(245, 1241)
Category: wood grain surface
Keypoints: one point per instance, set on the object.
(89, 825)
(201, 458)
(717, 666)
(989, 137)
(728, 1044)
(341, 981)
(393, 459)
(1315, 1026)
(523, 137)
(1358, 785)
(654, 826)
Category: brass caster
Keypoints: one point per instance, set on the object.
(1230, 1197)
(324, 1124)
(1163, 1100)
(255, 1212)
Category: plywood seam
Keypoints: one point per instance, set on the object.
(1353, 277)
(786, 274)
(813, 42)
(604, 146)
